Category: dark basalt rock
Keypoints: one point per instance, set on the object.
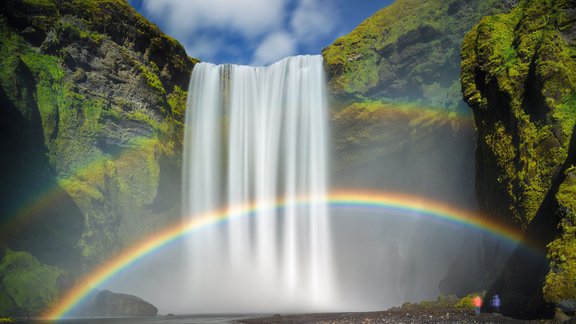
(107, 303)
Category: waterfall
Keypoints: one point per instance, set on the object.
(256, 135)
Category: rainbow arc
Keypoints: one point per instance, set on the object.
(389, 204)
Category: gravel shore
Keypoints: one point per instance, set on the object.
(396, 316)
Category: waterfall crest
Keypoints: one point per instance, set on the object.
(258, 135)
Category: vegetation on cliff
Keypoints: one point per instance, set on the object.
(92, 100)
(407, 51)
(519, 77)
(400, 123)
(107, 85)
(27, 286)
(391, 77)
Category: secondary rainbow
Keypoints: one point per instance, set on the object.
(50, 196)
(384, 201)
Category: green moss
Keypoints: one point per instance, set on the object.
(467, 302)
(40, 3)
(15, 60)
(566, 114)
(177, 101)
(49, 75)
(69, 119)
(517, 74)
(407, 50)
(560, 281)
(144, 118)
(6, 305)
(150, 74)
(81, 191)
(71, 30)
(111, 171)
(45, 66)
(442, 301)
(31, 285)
(141, 181)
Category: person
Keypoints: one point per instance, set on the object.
(477, 302)
(495, 304)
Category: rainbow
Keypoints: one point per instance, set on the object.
(49, 196)
(380, 201)
(31, 209)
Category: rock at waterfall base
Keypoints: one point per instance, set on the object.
(107, 303)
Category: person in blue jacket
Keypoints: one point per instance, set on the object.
(495, 304)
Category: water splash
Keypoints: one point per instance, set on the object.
(255, 134)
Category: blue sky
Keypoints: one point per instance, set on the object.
(255, 32)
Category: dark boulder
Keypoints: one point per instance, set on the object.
(107, 303)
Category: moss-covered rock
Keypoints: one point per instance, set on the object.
(407, 51)
(390, 78)
(28, 287)
(519, 77)
(51, 228)
(560, 284)
(103, 90)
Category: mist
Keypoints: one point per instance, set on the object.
(379, 258)
(388, 259)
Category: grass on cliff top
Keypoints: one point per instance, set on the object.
(114, 19)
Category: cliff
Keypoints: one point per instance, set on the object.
(519, 77)
(408, 51)
(395, 89)
(399, 121)
(92, 98)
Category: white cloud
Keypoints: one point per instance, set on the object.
(249, 17)
(312, 19)
(274, 47)
(238, 31)
(202, 47)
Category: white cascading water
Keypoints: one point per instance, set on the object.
(259, 135)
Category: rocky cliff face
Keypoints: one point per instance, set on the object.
(404, 148)
(399, 71)
(519, 77)
(27, 285)
(92, 101)
(107, 303)
(408, 51)
(400, 123)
